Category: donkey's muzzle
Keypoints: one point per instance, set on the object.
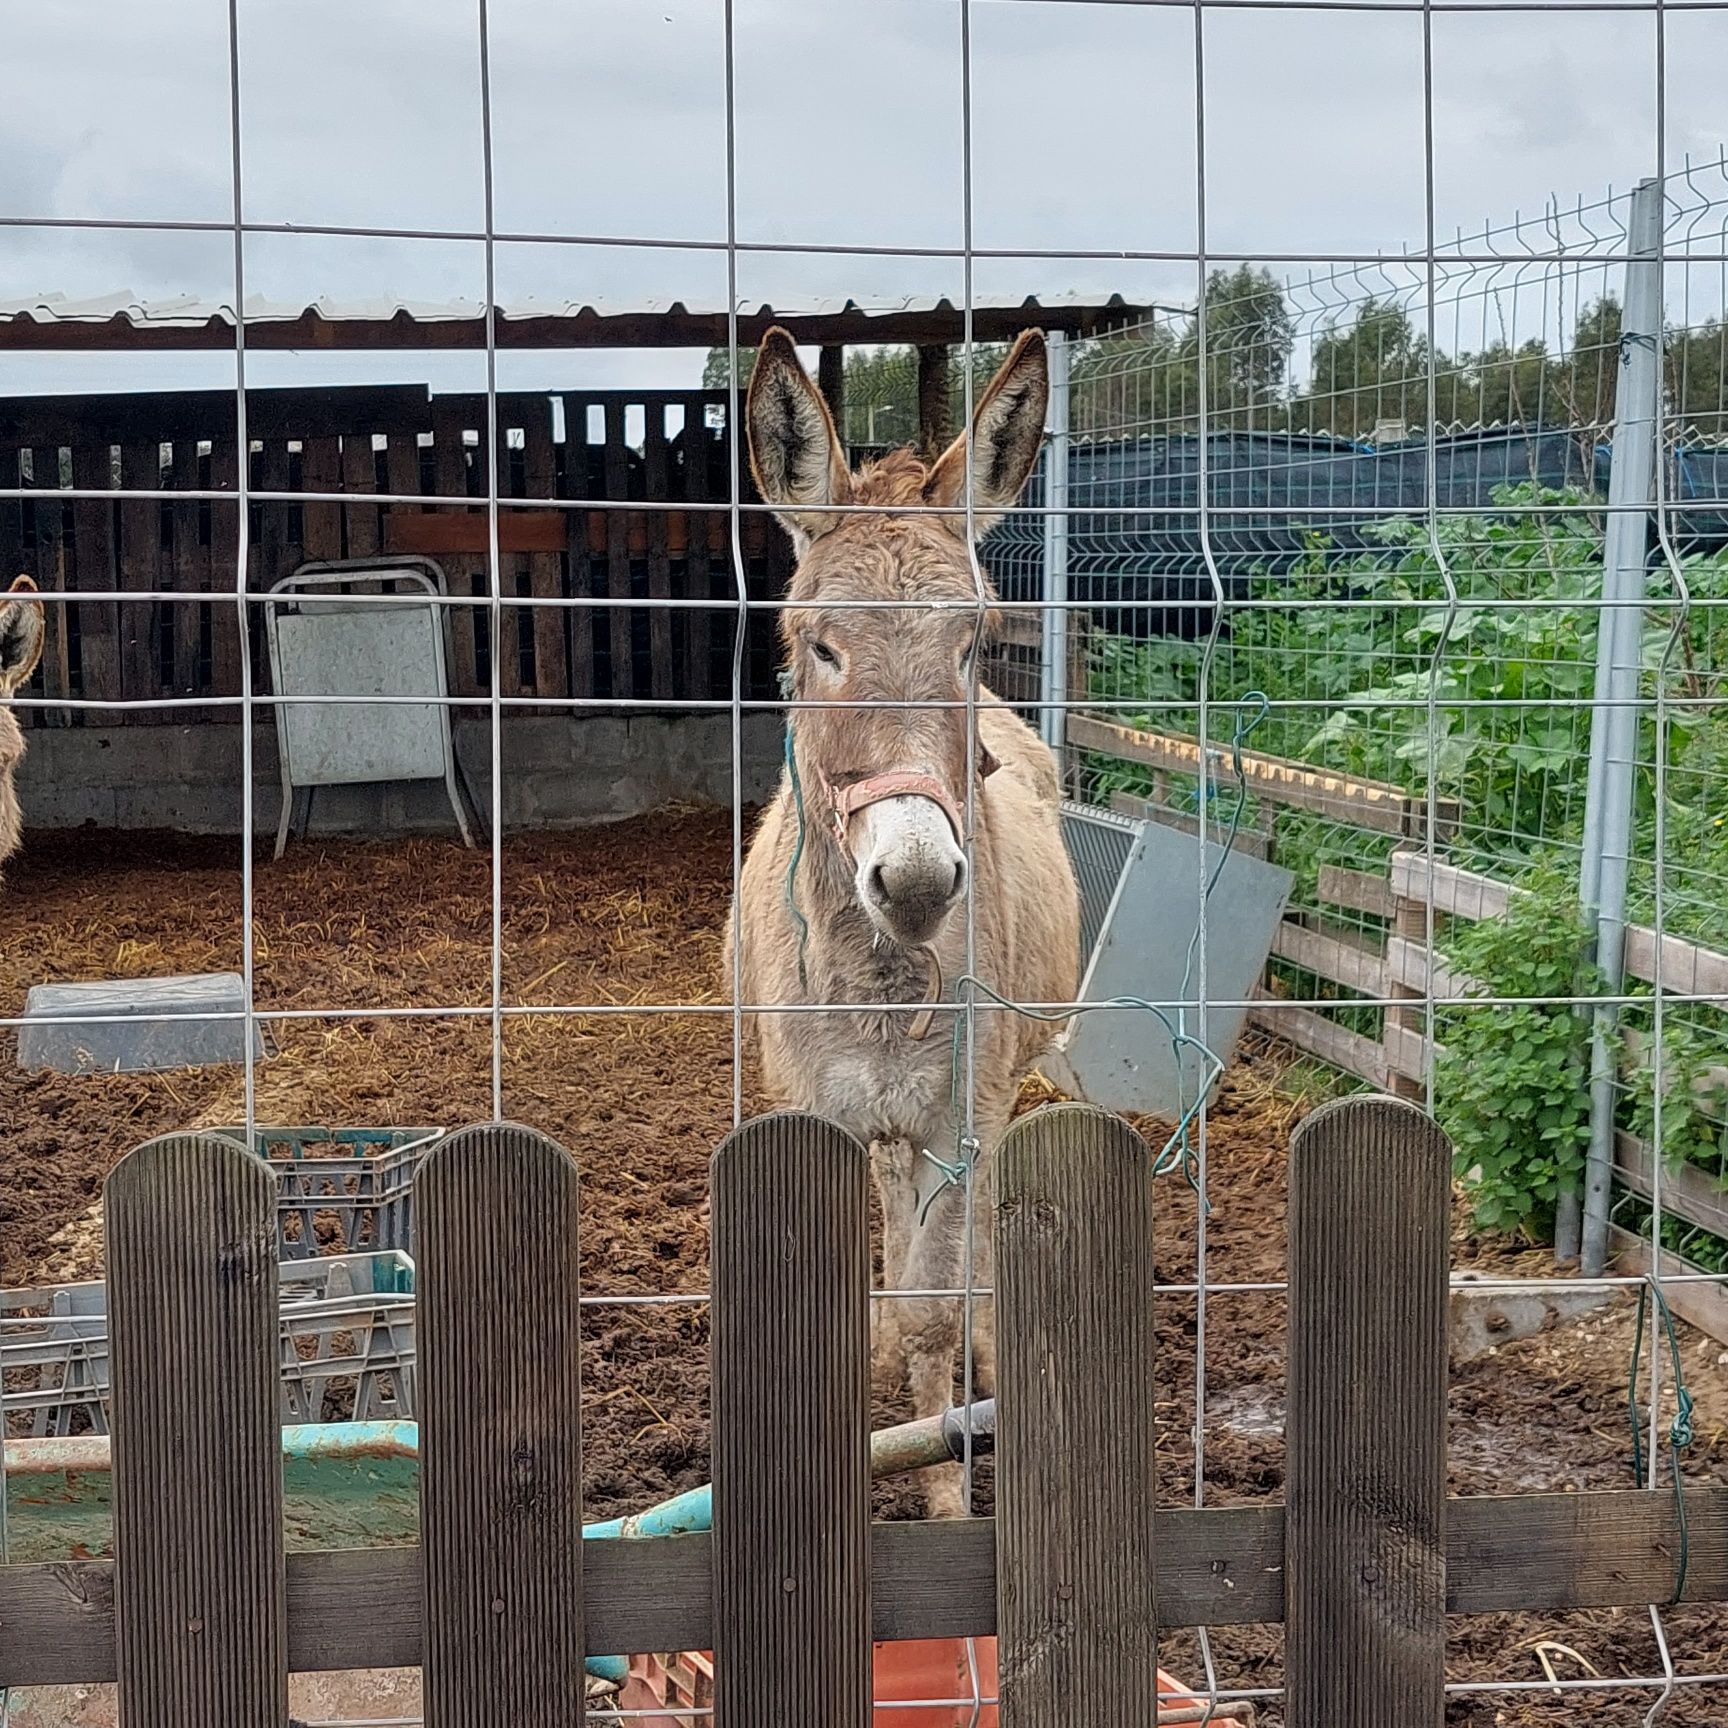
(911, 871)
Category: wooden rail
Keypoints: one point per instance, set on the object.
(1345, 798)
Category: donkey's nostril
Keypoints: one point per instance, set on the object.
(879, 887)
(959, 879)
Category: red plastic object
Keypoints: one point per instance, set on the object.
(934, 1668)
(924, 1669)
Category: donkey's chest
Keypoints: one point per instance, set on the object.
(883, 1089)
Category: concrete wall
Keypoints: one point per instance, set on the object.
(559, 772)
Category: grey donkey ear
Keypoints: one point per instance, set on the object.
(795, 452)
(21, 631)
(1007, 430)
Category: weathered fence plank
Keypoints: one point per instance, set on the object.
(1344, 958)
(546, 569)
(620, 628)
(321, 536)
(500, 1431)
(223, 572)
(515, 624)
(48, 519)
(791, 1396)
(1688, 968)
(201, 1625)
(276, 550)
(1365, 1571)
(92, 569)
(140, 564)
(450, 480)
(656, 476)
(1075, 1479)
(570, 471)
(1356, 890)
(1311, 1032)
(1345, 798)
(695, 459)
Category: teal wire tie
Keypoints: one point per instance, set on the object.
(1680, 1430)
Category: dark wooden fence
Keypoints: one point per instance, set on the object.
(201, 1615)
(667, 447)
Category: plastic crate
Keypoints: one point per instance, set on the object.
(343, 1317)
(342, 1190)
(677, 1682)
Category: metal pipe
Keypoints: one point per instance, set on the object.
(1614, 719)
(893, 1451)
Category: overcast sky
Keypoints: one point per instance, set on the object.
(609, 119)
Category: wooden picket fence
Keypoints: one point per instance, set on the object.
(201, 1615)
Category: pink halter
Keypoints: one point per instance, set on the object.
(847, 801)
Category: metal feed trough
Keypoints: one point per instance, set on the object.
(1140, 903)
(138, 1025)
(346, 1317)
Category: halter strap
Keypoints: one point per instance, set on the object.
(847, 801)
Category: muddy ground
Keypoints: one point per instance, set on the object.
(631, 915)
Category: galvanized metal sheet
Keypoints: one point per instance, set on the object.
(321, 646)
(1138, 932)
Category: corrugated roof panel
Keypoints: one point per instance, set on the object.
(189, 310)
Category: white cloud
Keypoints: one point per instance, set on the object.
(609, 120)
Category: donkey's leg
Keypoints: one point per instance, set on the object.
(984, 1276)
(932, 1326)
(891, 1169)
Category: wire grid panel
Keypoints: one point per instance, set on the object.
(1285, 488)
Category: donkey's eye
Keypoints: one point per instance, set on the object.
(825, 654)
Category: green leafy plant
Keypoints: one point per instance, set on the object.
(1700, 1248)
(1694, 1089)
(1513, 1085)
(1371, 671)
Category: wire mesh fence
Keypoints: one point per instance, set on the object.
(1323, 540)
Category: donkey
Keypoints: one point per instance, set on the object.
(21, 631)
(872, 810)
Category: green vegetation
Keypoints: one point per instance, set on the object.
(1513, 1083)
(1366, 676)
(1358, 661)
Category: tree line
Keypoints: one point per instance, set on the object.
(1366, 375)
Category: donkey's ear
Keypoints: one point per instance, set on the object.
(20, 635)
(1007, 429)
(795, 453)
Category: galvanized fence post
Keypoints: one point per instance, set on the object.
(1053, 685)
(1614, 713)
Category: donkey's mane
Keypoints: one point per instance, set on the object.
(896, 479)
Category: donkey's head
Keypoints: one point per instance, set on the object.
(882, 622)
(20, 635)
